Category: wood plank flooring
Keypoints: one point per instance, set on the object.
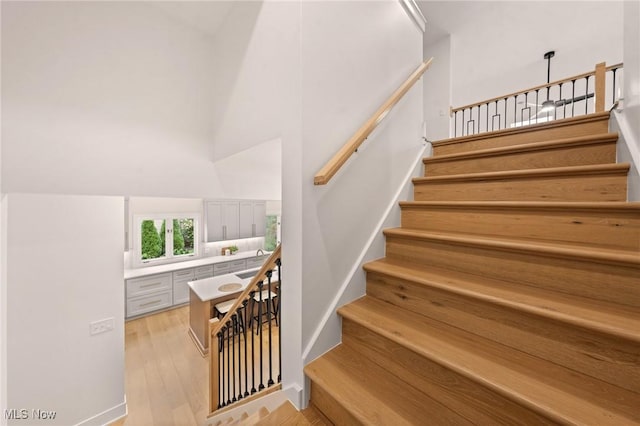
(166, 378)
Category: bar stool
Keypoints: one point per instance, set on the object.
(222, 308)
(267, 295)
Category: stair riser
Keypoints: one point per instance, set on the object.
(583, 129)
(583, 155)
(601, 187)
(611, 229)
(609, 358)
(609, 282)
(331, 408)
(472, 400)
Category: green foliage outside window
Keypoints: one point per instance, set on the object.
(271, 233)
(152, 244)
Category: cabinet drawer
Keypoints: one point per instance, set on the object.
(147, 285)
(229, 267)
(183, 275)
(142, 305)
(256, 262)
(204, 272)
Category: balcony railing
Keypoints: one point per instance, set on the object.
(582, 94)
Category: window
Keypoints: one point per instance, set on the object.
(164, 238)
(272, 233)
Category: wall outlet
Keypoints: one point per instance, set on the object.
(101, 326)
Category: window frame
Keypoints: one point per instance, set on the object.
(169, 257)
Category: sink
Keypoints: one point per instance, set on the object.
(225, 288)
(248, 274)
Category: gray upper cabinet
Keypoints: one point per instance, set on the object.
(252, 218)
(222, 220)
(230, 220)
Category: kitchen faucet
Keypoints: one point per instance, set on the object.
(259, 252)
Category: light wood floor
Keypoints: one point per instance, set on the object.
(166, 378)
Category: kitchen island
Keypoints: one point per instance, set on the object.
(203, 296)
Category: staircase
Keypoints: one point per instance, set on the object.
(509, 295)
(285, 414)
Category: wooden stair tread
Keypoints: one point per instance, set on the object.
(556, 392)
(570, 251)
(534, 146)
(529, 173)
(371, 394)
(525, 129)
(605, 206)
(615, 320)
(279, 415)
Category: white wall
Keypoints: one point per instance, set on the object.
(250, 76)
(52, 361)
(499, 49)
(632, 68)
(437, 89)
(354, 55)
(108, 98)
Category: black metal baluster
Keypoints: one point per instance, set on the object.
(613, 98)
(487, 123)
(505, 112)
(269, 301)
(224, 388)
(462, 130)
(244, 333)
(564, 106)
(220, 371)
(236, 333)
(526, 101)
(537, 104)
(586, 95)
(260, 284)
(253, 346)
(455, 124)
(573, 98)
(478, 118)
(515, 109)
(228, 325)
(278, 263)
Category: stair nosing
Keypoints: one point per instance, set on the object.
(602, 138)
(597, 169)
(583, 321)
(601, 116)
(600, 255)
(491, 381)
(593, 206)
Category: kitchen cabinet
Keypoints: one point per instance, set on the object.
(229, 267)
(256, 262)
(253, 216)
(147, 294)
(222, 220)
(180, 287)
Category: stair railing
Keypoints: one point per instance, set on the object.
(578, 95)
(351, 146)
(244, 354)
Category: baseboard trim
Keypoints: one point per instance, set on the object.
(108, 416)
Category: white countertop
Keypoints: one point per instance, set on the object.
(200, 261)
(207, 288)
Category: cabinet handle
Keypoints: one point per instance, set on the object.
(155, 302)
(150, 285)
(253, 230)
(224, 232)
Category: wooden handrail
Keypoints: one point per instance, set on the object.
(266, 266)
(542, 86)
(332, 166)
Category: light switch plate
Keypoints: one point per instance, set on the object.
(101, 326)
